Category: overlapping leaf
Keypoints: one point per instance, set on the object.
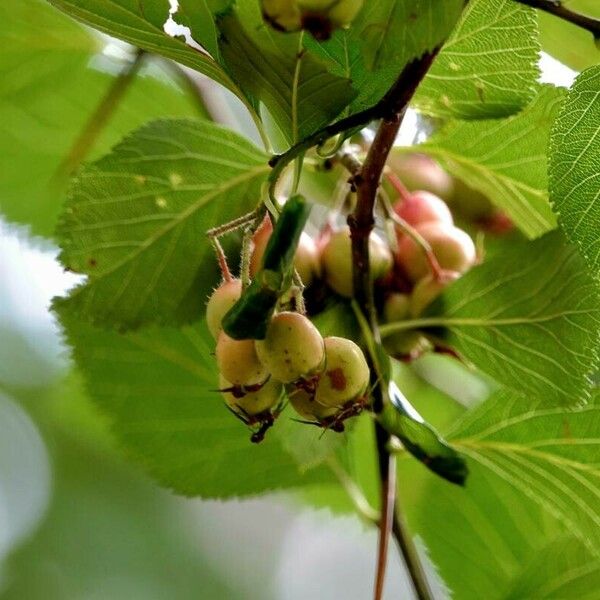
(393, 32)
(157, 388)
(505, 159)
(141, 23)
(51, 80)
(529, 317)
(574, 166)
(135, 221)
(296, 87)
(488, 66)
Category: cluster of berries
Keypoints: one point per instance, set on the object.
(324, 379)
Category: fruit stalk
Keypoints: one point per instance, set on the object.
(361, 222)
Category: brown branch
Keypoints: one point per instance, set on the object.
(558, 9)
(366, 182)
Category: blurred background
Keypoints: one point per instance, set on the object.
(76, 519)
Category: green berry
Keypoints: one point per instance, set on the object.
(307, 406)
(238, 361)
(222, 299)
(346, 374)
(251, 403)
(293, 348)
(337, 263)
(428, 289)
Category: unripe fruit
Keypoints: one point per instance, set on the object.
(406, 344)
(307, 406)
(396, 307)
(238, 361)
(428, 289)
(306, 259)
(453, 248)
(293, 348)
(419, 172)
(252, 403)
(423, 207)
(346, 374)
(319, 17)
(337, 264)
(222, 299)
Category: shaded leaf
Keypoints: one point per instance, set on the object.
(505, 159)
(296, 88)
(574, 166)
(135, 221)
(488, 66)
(529, 317)
(157, 388)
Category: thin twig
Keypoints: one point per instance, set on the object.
(411, 556)
(100, 117)
(361, 504)
(361, 222)
(558, 9)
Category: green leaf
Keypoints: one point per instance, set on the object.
(505, 159)
(135, 221)
(574, 166)
(564, 568)
(158, 388)
(488, 66)
(529, 317)
(489, 538)
(394, 32)
(53, 77)
(141, 23)
(198, 16)
(548, 454)
(420, 439)
(569, 43)
(296, 88)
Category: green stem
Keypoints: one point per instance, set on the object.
(100, 117)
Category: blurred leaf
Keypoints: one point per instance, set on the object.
(505, 159)
(488, 66)
(420, 439)
(564, 568)
(569, 43)
(158, 388)
(141, 23)
(574, 166)
(135, 221)
(297, 89)
(48, 89)
(530, 318)
(109, 532)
